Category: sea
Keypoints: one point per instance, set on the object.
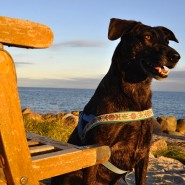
(55, 100)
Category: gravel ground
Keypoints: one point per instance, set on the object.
(162, 171)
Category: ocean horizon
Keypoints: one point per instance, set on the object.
(55, 100)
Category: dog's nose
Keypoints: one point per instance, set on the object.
(175, 57)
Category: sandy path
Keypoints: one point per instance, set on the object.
(163, 171)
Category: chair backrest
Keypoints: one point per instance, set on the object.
(16, 163)
(13, 143)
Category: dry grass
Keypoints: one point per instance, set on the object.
(52, 129)
(174, 152)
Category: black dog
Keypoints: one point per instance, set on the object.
(142, 54)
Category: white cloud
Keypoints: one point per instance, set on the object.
(86, 83)
(23, 63)
(79, 43)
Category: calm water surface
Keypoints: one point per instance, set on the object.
(45, 100)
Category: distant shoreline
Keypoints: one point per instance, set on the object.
(54, 100)
(89, 89)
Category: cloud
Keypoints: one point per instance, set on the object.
(175, 82)
(79, 43)
(23, 63)
(86, 83)
(177, 75)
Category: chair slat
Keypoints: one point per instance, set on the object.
(42, 148)
(48, 141)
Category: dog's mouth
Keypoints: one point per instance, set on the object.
(157, 72)
(164, 70)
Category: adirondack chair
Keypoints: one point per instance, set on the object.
(27, 158)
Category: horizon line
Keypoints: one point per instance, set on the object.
(88, 88)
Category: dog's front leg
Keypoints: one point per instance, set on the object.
(89, 175)
(141, 171)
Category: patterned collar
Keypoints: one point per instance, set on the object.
(88, 122)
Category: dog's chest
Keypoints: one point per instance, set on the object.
(139, 96)
(129, 143)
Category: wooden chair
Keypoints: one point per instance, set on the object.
(28, 158)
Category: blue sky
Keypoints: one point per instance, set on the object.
(81, 52)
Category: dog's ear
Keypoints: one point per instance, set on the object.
(118, 27)
(169, 34)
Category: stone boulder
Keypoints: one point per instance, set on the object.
(29, 115)
(49, 117)
(158, 146)
(174, 133)
(168, 123)
(32, 116)
(70, 120)
(181, 126)
(76, 113)
(60, 115)
(157, 129)
(26, 111)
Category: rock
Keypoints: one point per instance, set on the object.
(157, 129)
(76, 113)
(170, 139)
(60, 115)
(33, 116)
(173, 133)
(70, 120)
(158, 146)
(26, 111)
(49, 117)
(181, 125)
(28, 114)
(168, 123)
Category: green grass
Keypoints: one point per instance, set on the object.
(174, 152)
(52, 129)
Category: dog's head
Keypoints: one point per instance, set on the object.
(145, 47)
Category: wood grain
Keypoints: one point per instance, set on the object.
(24, 33)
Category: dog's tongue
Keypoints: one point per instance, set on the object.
(162, 70)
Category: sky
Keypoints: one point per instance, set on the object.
(81, 53)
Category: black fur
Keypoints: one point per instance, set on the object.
(139, 57)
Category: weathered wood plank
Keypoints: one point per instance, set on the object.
(49, 141)
(32, 143)
(42, 148)
(23, 33)
(2, 177)
(2, 182)
(13, 143)
(68, 160)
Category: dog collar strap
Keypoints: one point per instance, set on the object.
(117, 117)
(113, 168)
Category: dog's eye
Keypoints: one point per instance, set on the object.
(147, 37)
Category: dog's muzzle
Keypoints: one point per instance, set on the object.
(160, 71)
